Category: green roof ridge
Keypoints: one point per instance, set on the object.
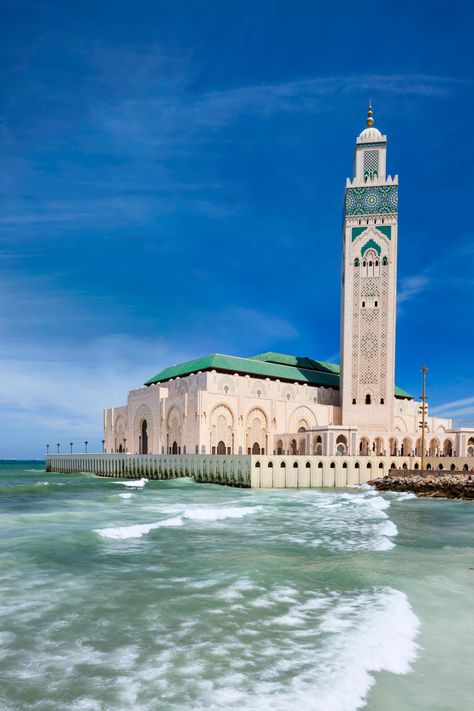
(266, 365)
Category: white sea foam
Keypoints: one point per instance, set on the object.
(126, 496)
(137, 530)
(134, 484)
(357, 636)
(192, 514)
(220, 514)
(404, 495)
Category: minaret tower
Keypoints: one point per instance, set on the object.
(369, 275)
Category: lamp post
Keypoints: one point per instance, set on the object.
(103, 446)
(85, 445)
(47, 449)
(423, 417)
(70, 444)
(58, 445)
(125, 444)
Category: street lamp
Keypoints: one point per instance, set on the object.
(423, 417)
(103, 446)
(58, 445)
(85, 445)
(47, 449)
(125, 444)
(70, 444)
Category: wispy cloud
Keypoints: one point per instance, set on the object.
(412, 286)
(455, 408)
(54, 395)
(166, 120)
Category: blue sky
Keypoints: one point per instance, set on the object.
(171, 184)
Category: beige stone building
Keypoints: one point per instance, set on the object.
(273, 404)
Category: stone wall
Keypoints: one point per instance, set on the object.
(229, 470)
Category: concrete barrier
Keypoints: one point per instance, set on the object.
(256, 471)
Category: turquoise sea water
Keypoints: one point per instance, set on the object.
(175, 595)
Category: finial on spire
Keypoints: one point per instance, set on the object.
(370, 115)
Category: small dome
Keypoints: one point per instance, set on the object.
(370, 134)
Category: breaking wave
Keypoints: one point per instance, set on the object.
(134, 484)
(192, 514)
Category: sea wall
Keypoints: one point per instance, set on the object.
(216, 469)
(286, 471)
(256, 471)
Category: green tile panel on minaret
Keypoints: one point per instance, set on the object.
(373, 200)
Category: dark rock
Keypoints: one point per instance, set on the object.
(440, 484)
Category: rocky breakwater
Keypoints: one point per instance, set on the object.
(450, 485)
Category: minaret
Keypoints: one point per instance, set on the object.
(369, 274)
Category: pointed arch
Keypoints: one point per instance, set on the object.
(300, 415)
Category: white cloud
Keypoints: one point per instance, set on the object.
(455, 408)
(49, 394)
(412, 286)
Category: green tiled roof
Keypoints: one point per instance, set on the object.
(298, 362)
(287, 368)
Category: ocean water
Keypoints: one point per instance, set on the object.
(171, 595)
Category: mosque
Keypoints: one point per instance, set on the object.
(274, 403)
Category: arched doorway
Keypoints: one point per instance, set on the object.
(279, 447)
(293, 447)
(470, 447)
(393, 446)
(221, 447)
(318, 445)
(406, 447)
(379, 448)
(174, 448)
(364, 446)
(144, 437)
(448, 448)
(255, 448)
(341, 445)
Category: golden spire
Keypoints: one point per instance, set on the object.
(370, 115)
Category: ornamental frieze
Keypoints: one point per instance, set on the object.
(374, 200)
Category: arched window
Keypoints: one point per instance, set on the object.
(320, 465)
(257, 464)
(363, 304)
(354, 401)
(283, 465)
(382, 401)
(332, 465)
(384, 261)
(144, 438)
(308, 465)
(376, 304)
(368, 399)
(295, 465)
(356, 262)
(270, 465)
